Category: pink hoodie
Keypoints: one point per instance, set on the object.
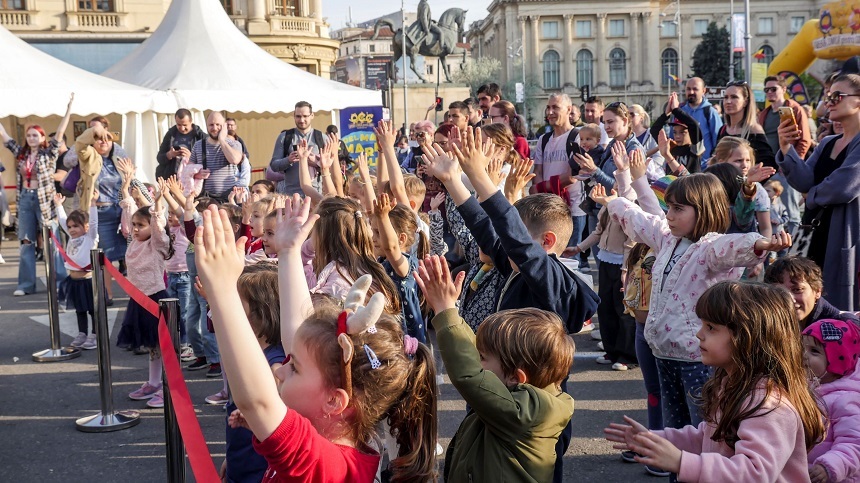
(771, 448)
(839, 453)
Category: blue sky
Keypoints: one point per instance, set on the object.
(337, 11)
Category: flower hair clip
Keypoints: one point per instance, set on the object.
(356, 319)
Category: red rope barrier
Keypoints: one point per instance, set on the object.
(195, 445)
(59, 247)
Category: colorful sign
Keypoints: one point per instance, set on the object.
(356, 130)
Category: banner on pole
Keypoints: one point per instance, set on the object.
(739, 30)
(356, 128)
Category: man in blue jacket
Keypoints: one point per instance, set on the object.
(704, 113)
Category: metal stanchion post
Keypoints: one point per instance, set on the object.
(108, 419)
(175, 447)
(57, 352)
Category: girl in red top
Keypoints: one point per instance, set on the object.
(346, 371)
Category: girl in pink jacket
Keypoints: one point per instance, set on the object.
(831, 349)
(761, 417)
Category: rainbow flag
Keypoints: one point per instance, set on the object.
(675, 78)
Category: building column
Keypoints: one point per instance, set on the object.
(568, 61)
(601, 77)
(535, 48)
(515, 72)
(651, 48)
(636, 54)
(257, 24)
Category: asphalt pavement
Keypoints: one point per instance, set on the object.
(39, 403)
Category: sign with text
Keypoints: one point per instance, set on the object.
(356, 130)
(376, 72)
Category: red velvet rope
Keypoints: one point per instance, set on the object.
(59, 247)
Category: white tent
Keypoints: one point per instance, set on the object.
(33, 83)
(200, 55)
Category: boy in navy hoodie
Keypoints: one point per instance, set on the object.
(523, 240)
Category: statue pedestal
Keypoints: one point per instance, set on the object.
(420, 96)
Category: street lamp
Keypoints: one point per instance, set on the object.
(514, 51)
(676, 20)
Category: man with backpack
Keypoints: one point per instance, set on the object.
(283, 167)
(700, 109)
(177, 143)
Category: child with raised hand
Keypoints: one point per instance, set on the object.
(831, 350)
(146, 257)
(76, 290)
(394, 232)
(692, 254)
(178, 278)
(510, 375)
(760, 416)
(361, 185)
(347, 369)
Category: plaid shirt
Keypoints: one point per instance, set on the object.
(46, 165)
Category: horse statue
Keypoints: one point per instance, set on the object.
(441, 41)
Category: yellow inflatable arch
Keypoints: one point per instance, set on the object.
(835, 34)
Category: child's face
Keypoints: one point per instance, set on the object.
(257, 223)
(268, 234)
(377, 250)
(740, 157)
(681, 220)
(301, 383)
(491, 362)
(681, 135)
(805, 297)
(770, 192)
(76, 230)
(260, 190)
(715, 342)
(172, 219)
(356, 190)
(587, 142)
(140, 229)
(815, 360)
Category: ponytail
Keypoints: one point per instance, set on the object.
(413, 422)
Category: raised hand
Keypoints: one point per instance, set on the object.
(440, 164)
(383, 205)
(494, 169)
(518, 178)
(779, 241)
(327, 156)
(174, 185)
(220, 257)
(437, 201)
(384, 133)
(673, 103)
(125, 167)
(59, 199)
(302, 149)
(663, 144)
(638, 165)
(293, 225)
(363, 166)
(789, 133)
(619, 155)
(434, 278)
(472, 157)
(190, 204)
(598, 194)
(759, 173)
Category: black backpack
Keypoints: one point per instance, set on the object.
(319, 140)
(571, 147)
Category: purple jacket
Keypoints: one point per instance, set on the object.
(839, 453)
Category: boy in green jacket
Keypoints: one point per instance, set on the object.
(510, 374)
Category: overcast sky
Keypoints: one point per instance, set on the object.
(337, 11)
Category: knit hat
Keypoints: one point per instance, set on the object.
(659, 186)
(841, 341)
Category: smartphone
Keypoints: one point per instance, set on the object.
(786, 113)
(177, 147)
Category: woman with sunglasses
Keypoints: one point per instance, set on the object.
(831, 180)
(740, 119)
(36, 162)
(423, 130)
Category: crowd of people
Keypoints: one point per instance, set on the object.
(714, 232)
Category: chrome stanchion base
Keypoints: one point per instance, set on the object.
(56, 355)
(104, 423)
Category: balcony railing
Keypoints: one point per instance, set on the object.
(292, 25)
(15, 19)
(96, 21)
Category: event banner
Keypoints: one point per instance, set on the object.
(376, 71)
(356, 130)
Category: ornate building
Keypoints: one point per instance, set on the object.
(93, 34)
(619, 48)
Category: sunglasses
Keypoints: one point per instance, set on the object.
(616, 105)
(770, 89)
(737, 84)
(834, 98)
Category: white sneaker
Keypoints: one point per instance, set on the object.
(595, 334)
(439, 450)
(79, 340)
(18, 293)
(2, 261)
(600, 346)
(588, 326)
(603, 360)
(619, 366)
(91, 342)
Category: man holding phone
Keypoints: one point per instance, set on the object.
(177, 143)
(284, 157)
(770, 117)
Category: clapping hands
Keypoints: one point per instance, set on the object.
(598, 194)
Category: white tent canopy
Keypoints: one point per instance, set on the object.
(200, 55)
(32, 83)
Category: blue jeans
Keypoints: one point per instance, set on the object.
(648, 364)
(579, 223)
(680, 386)
(201, 340)
(111, 240)
(29, 227)
(179, 286)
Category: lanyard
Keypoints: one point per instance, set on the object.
(28, 166)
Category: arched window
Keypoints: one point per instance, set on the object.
(584, 68)
(766, 56)
(669, 61)
(617, 68)
(551, 70)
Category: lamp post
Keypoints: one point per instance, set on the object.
(676, 20)
(515, 51)
(403, 59)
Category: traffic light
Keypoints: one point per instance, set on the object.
(438, 104)
(585, 92)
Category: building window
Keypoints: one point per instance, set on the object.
(700, 27)
(550, 30)
(766, 56)
(616, 28)
(429, 69)
(668, 28)
(584, 68)
(228, 6)
(583, 29)
(372, 48)
(765, 25)
(287, 8)
(95, 5)
(669, 61)
(797, 24)
(617, 68)
(12, 5)
(550, 70)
